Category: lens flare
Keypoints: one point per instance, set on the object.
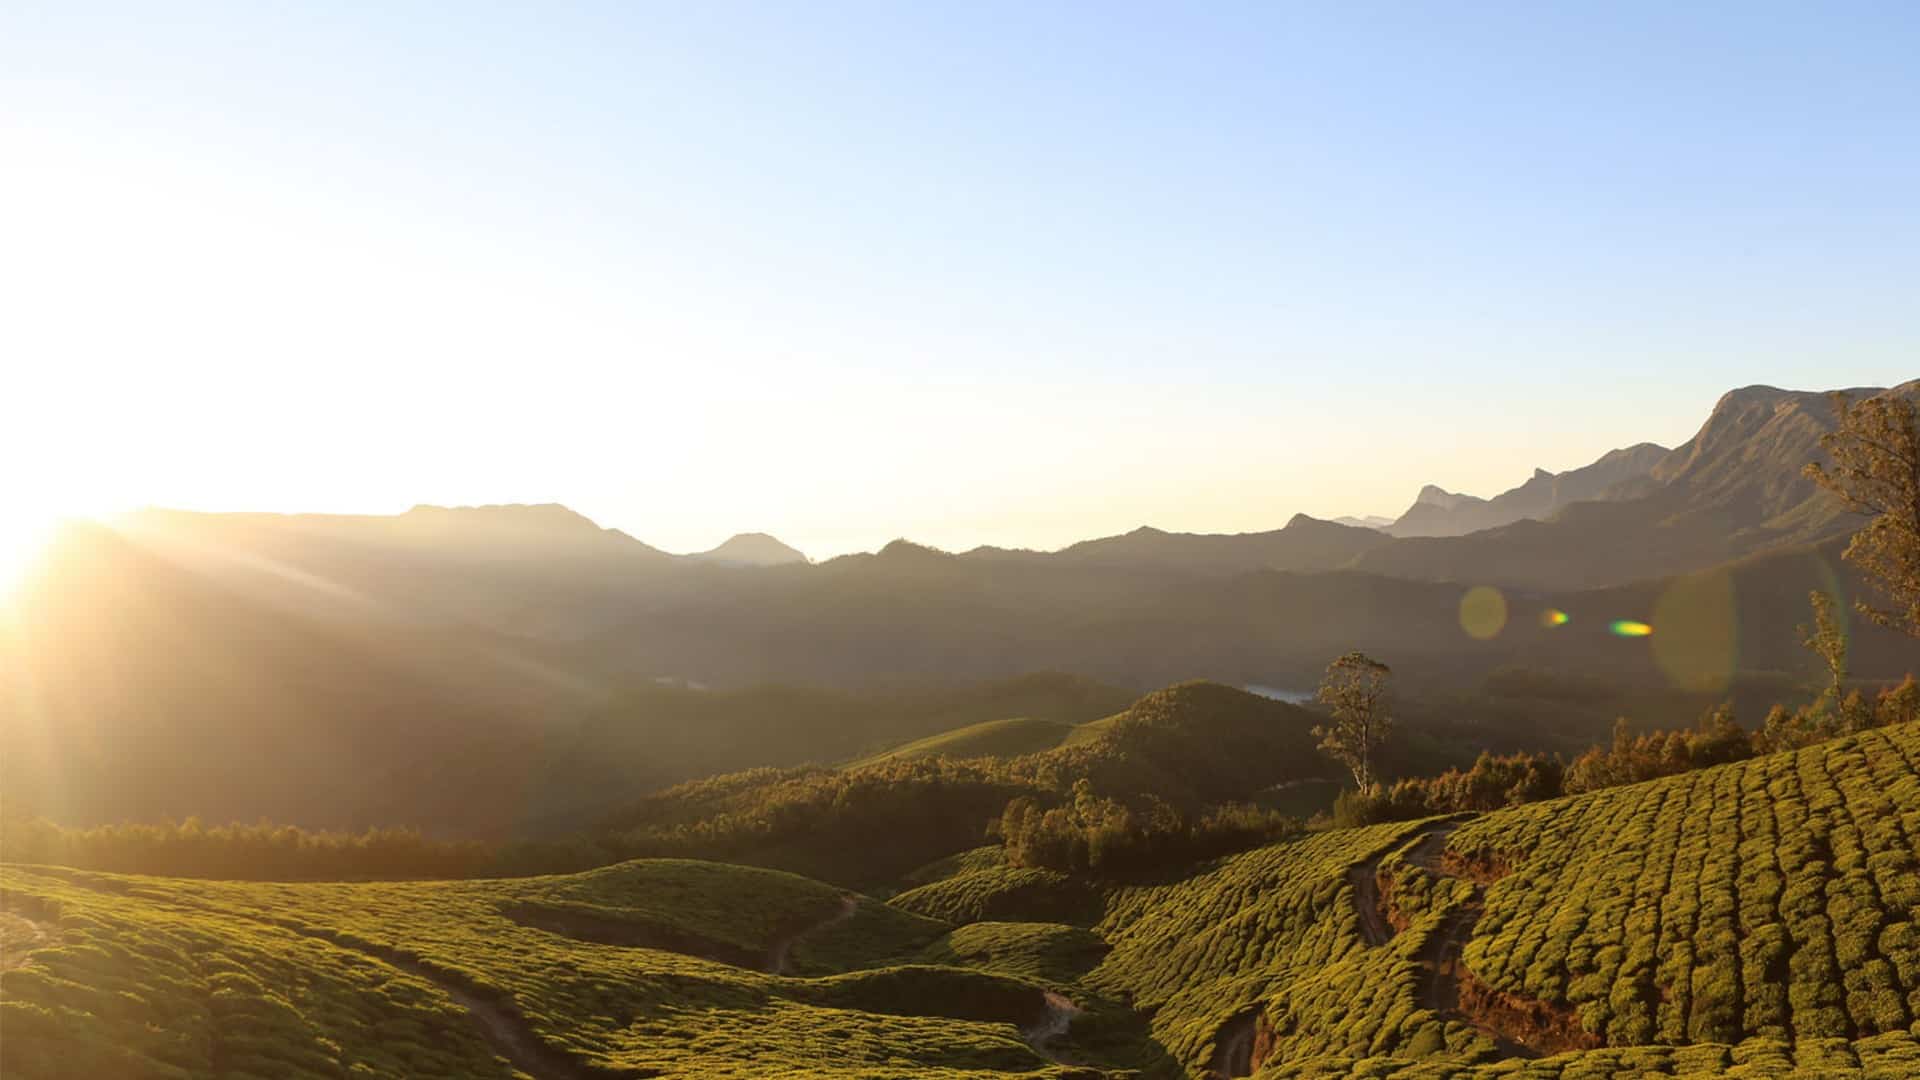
(1554, 617)
(1628, 628)
(1483, 612)
(1698, 646)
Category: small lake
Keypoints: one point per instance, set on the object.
(1291, 697)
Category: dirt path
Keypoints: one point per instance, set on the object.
(20, 935)
(777, 952)
(509, 1034)
(498, 1022)
(1233, 1047)
(1365, 879)
(1366, 902)
(1053, 1023)
(1433, 844)
(1440, 956)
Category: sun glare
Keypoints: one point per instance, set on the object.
(23, 538)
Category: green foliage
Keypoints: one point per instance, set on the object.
(1106, 836)
(1874, 468)
(153, 977)
(1772, 898)
(1188, 746)
(1717, 739)
(267, 852)
(1831, 715)
(1355, 691)
(1827, 639)
(1005, 893)
(1755, 919)
(1052, 952)
(1494, 781)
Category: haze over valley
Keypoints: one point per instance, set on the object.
(864, 541)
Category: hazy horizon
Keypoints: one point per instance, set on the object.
(992, 275)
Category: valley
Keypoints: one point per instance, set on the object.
(534, 800)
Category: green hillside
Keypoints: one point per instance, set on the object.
(1190, 745)
(989, 738)
(1750, 920)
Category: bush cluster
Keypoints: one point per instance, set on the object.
(268, 852)
(1497, 781)
(1105, 836)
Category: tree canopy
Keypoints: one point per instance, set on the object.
(1875, 470)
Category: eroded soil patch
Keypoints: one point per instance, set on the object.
(1519, 1026)
(1242, 1046)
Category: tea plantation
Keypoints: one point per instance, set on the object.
(1749, 920)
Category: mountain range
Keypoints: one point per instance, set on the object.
(238, 664)
(1437, 512)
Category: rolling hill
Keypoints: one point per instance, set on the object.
(751, 549)
(990, 738)
(1751, 920)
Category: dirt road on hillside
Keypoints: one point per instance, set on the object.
(778, 952)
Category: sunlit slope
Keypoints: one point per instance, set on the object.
(989, 738)
(1751, 920)
(658, 969)
(1774, 898)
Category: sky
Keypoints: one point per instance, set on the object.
(971, 273)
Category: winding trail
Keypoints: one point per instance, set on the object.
(500, 1023)
(782, 945)
(1441, 954)
(1365, 879)
(21, 934)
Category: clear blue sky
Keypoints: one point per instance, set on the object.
(1008, 273)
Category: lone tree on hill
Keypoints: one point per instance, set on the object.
(1828, 641)
(1355, 687)
(1875, 470)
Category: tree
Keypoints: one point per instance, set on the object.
(1826, 640)
(1875, 470)
(1355, 688)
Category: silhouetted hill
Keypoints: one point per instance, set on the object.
(1437, 512)
(648, 737)
(524, 570)
(1304, 544)
(134, 688)
(751, 549)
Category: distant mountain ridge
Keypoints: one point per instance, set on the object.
(1735, 489)
(1303, 544)
(1438, 512)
